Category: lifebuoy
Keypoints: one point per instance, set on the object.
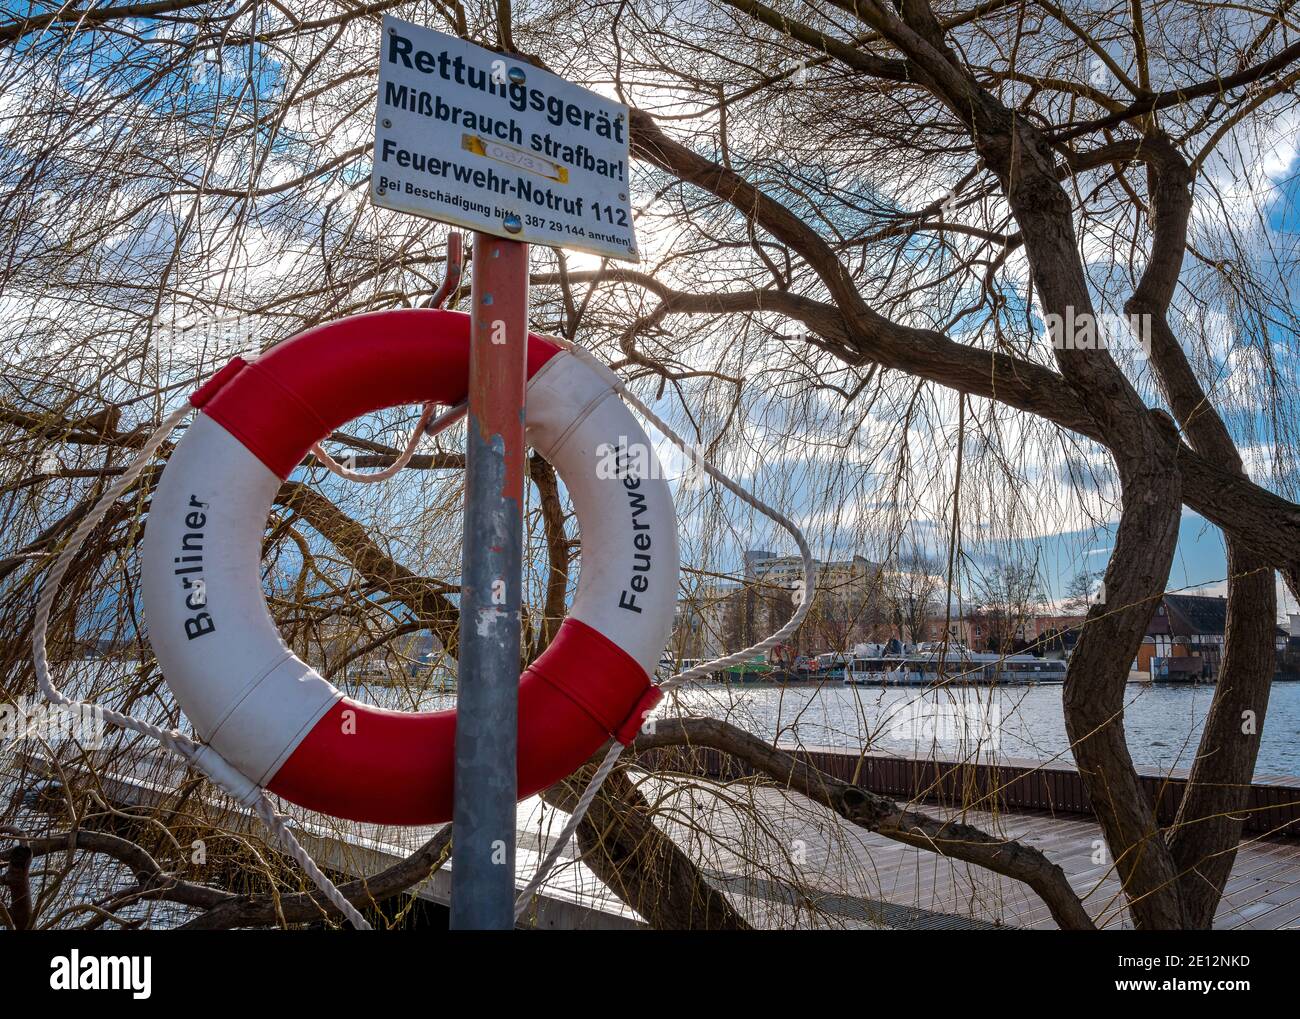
(273, 717)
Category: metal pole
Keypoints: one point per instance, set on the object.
(483, 862)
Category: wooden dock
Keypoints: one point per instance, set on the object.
(575, 899)
(786, 862)
(854, 878)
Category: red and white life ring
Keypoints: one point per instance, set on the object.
(268, 713)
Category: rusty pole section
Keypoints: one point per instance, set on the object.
(483, 862)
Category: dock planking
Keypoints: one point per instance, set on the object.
(784, 861)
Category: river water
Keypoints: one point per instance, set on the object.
(1162, 721)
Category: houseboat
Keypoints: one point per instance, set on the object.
(928, 668)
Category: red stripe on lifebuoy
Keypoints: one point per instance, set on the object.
(301, 390)
(391, 767)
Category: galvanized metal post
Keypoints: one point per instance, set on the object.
(483, 846)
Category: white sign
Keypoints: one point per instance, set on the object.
(486, 141)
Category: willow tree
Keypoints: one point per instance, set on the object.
(879, 242)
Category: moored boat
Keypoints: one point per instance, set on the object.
(929, 668)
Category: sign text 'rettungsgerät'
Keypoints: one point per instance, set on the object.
(486, 141)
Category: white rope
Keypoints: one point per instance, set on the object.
(204, 758)
(575, 818)
(801, 610)
(402, 460)
(809, 564)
